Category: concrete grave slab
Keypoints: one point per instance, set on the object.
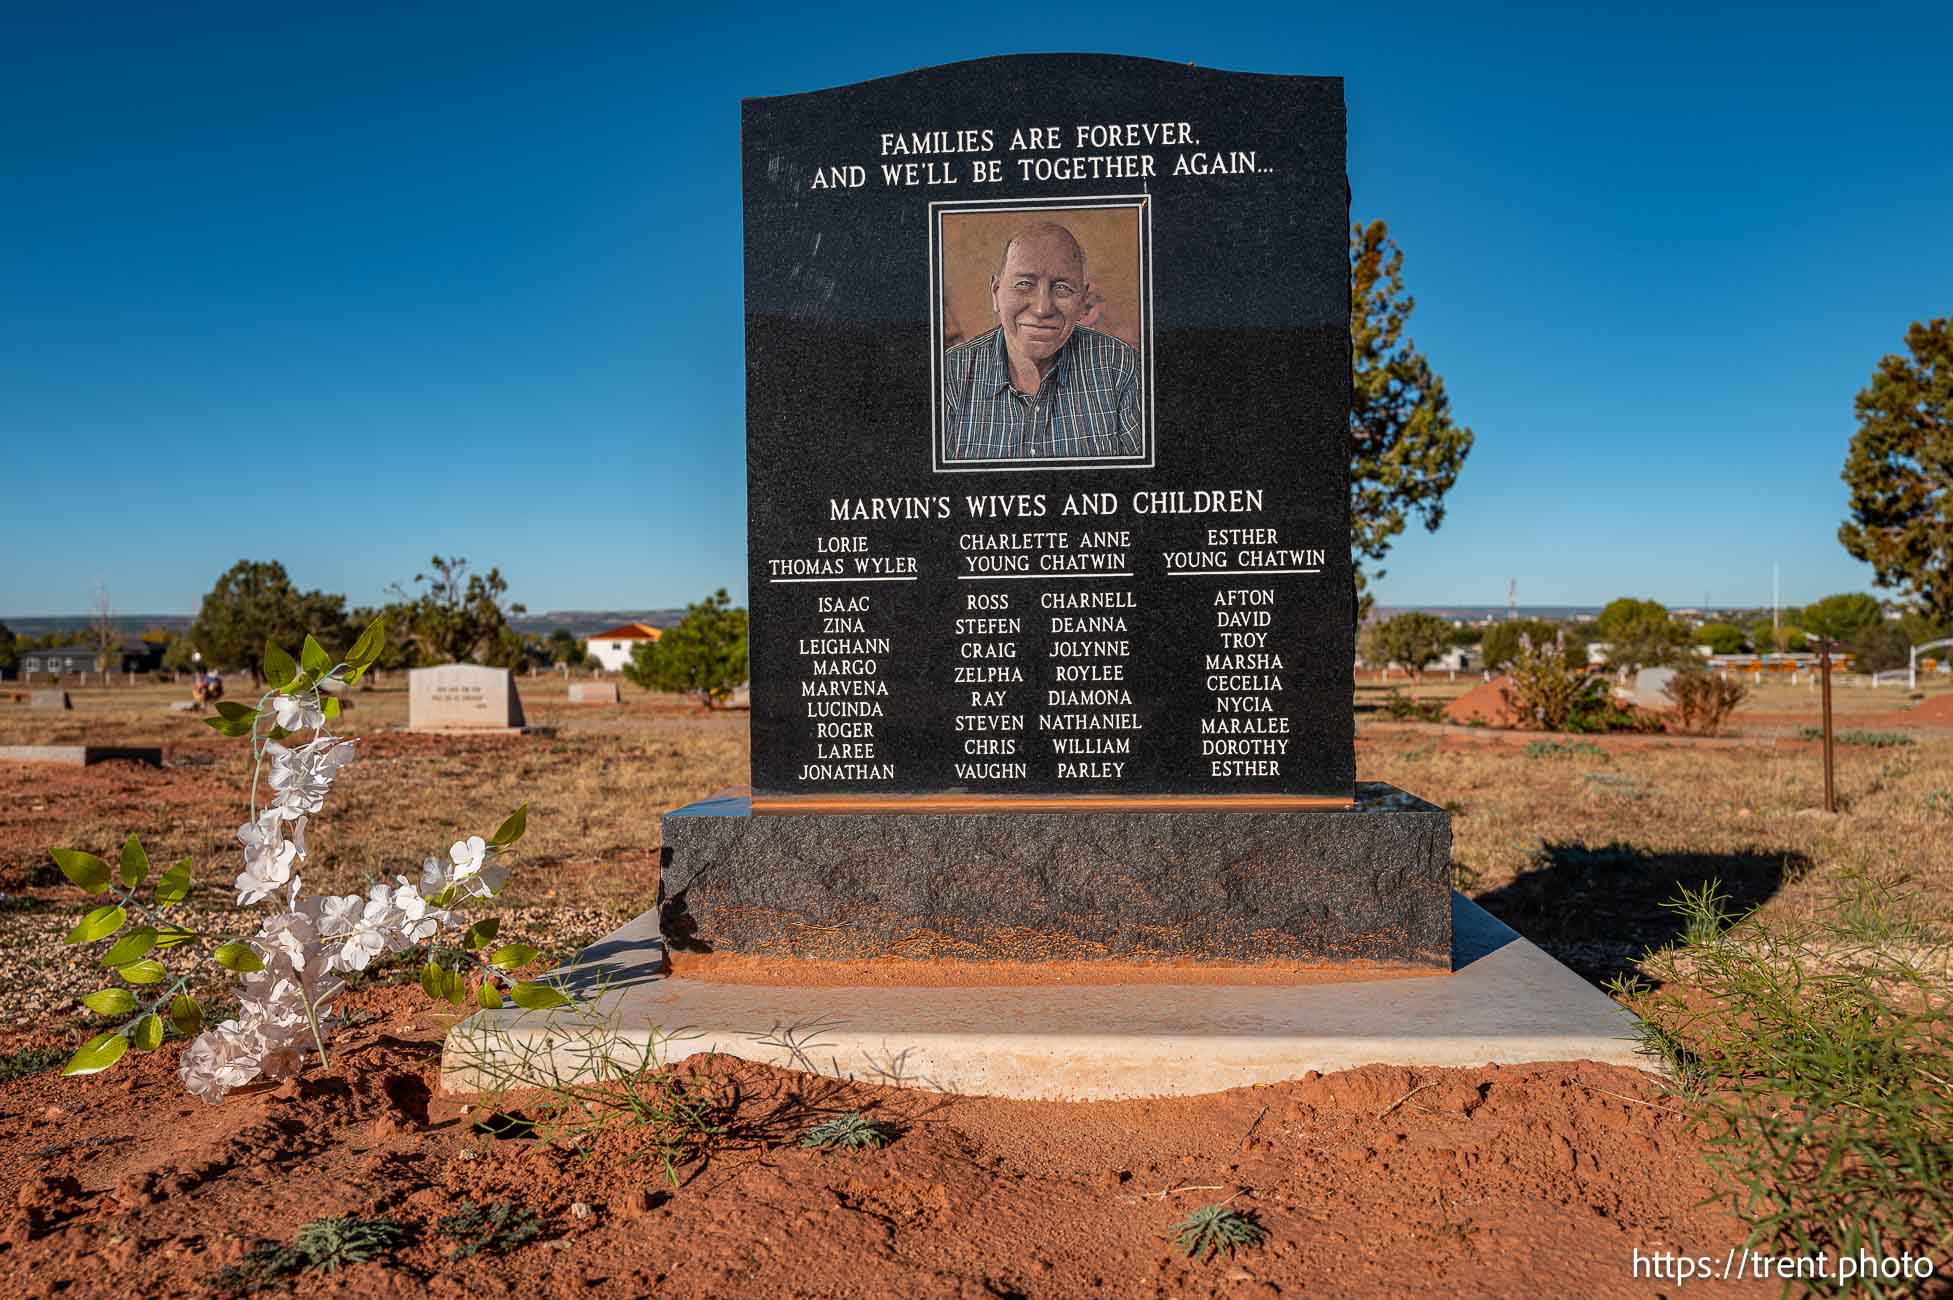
(50, 699)
(81, 755)
(1507, 1001)
(593, 693)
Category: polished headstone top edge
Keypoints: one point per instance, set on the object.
(1371, 797)
(1136, 60)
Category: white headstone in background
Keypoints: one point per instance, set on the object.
(593, 693)
(54, 698)
(462, 697)
(1649, 683)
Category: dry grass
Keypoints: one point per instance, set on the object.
(1575, 850)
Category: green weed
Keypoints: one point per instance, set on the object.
(1816, 1059)
(493, 1229)
(850, 1132)
(321, 1246)
(1216, 1228)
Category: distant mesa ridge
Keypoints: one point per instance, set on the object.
(580, 622)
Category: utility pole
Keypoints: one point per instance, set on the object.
(1824, 666)
(1776, 604)
(1511, 600)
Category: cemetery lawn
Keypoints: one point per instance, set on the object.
(1369, 1182)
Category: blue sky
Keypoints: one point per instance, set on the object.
(347, 289)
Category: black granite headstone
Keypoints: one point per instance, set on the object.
(1047, 434)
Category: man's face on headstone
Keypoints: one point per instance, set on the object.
(1040, 293)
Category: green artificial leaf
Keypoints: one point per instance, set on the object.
(132, 946)
(240, 957)
(135, 863)
(97, 1054)
(481, 933)
(537, 997)
(367, 649)
(279, 733)
(148, 1033)
(98, 924)
(511, 830)
(431, 981)
(454, 988)
(513, 956)
(224, 726)
(110, 1002)
(279, 669)
(173, 936)
(84, 869)
(488, 995)
(186, 1014)
(174, 884)
(313, 658)
(147, 971)
(235, 712)
(446, 897)
(329, 705)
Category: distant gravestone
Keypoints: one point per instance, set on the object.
(593, 693)
(1650, 685)
(462, 697)
(50, 699)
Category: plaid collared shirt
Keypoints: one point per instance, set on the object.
(1088, 404)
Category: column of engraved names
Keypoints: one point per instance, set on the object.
(990, 688)
(843, 691)
(1086, 717)
(1245, 734)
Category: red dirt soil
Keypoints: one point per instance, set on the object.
(1484, 703)
(1374, 1182)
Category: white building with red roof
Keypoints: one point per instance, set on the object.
(613, 649)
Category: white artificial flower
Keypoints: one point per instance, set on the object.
(298, 712)
(467, 857)
(360, 947)
(339, 915)
(417, 921)
(218, 1060)
(286, 941)
(433, 878)
(300, 778)
(266, 867)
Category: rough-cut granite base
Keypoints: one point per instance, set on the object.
(1370, 883)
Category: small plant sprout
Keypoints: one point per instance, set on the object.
(850, 1132)
(1215, 1228)
(321, 1246)
(493, 1229)
(290, 968)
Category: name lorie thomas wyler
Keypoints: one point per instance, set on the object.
(1037, 505)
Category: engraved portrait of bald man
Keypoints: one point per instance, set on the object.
(1041, 384)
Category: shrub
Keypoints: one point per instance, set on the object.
(1703, 701)
(1405, 709)
(1545, 691)
(1816, 1060)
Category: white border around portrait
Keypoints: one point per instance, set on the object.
(1143, 204)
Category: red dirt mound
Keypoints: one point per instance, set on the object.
(1934, 712)
(1529, 1179)
(1484, 703)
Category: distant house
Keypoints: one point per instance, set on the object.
(62, 659)
(133, 657)
(613, 649)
